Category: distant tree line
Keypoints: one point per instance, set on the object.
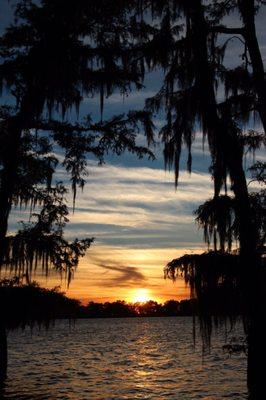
(30, 304)
(57, 53)
(122, 309)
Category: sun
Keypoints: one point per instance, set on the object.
(140, 295)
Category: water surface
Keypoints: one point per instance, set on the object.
(141, 358)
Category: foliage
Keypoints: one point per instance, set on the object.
(189, 43)
(121, 309)
(41, 243)
(218, 220)
(29, 304)
(48, 74)
(258, 172)
(88, 56)
(215, 281)
(210, 269)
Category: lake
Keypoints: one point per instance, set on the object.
(141, 358)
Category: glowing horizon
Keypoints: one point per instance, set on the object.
(139, 223)
(139, 279)
(140, 295)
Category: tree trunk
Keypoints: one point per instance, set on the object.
(3, 353)
(227, 149)
(13, 131)
(247, 231)
(255, 283)
(253, 286)
(8, 176)
(256, 344)
(247, 9)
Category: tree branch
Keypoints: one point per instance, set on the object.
(225, 30)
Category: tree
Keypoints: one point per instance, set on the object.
(195, 77)
(215, 277)
(50, 73)
(171, 307)
(40, 243)
(53, 56)
(187, 44)
(218, 220)
(247, 10)
(29, 305)
(189, 98)
(192, 61)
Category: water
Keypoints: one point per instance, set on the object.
(142, 358)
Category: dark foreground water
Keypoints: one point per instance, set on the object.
(143, 358)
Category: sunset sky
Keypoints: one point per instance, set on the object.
(131, 207)
(139, 223)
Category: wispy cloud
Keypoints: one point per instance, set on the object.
(139, 205)
(123, 276)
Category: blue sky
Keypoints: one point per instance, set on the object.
(131, 207)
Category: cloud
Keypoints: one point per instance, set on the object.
(139, 206)
(136, 206)
(123, 276)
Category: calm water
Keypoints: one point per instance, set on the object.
(148, 358)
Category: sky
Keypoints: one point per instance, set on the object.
(131, 208)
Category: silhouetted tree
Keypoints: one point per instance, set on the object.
(195, 79)
(94, 310)
(53, 57)
(149, 309)
(243, 80)
(189, 99)
(192, 60)
(215, 277)
(40, 243)
(171, 307)
(217, 218)
(117, 309)
(29, 305)
(185, 40)
(121, 309)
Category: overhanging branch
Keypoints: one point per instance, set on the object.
(226, 30)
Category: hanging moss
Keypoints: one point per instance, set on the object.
(29, 305)
(41, 243)
(218, 220)
(215, 281)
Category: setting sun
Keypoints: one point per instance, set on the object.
(140, 295)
